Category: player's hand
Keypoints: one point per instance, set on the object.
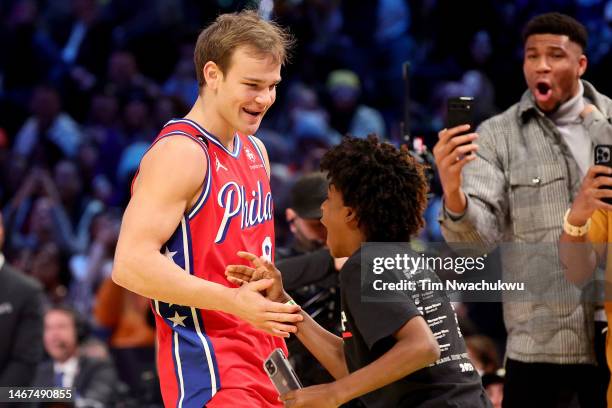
(451, 155)
(317, 396)
(262, 269)
(590, 196)
(275, 318)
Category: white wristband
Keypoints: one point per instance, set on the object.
(573, 230)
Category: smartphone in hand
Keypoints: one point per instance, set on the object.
(603, 157)
(460, 111)
(281, 373)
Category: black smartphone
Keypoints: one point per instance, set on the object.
(281, 373)
(603, 157)
(460, 111)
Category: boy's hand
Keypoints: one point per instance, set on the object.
(263, 269)
(272, 317)
(316, 396)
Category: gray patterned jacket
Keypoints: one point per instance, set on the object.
(518, 190)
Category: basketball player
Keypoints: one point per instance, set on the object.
(202, 193)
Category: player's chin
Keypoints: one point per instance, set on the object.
(249, 127)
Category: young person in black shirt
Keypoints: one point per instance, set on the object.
(388, 354)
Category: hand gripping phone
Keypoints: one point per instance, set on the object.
(460, 111)
(603, 157)
(281, 373)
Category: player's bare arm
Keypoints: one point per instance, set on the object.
(170, 179)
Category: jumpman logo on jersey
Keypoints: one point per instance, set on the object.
(218, 164)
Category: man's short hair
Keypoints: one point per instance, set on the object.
(384, 185)
(559, 24)
(219, 40)
(81, 327)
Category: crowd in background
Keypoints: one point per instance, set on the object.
(86, 85)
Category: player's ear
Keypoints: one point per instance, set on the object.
(582, 64)
(212, 75)
(290, 215)
(350, 217)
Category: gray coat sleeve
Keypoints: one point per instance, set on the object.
(484, 183)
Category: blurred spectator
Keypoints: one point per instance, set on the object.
(483, 353)
(90, 269)
(19, 38)
(168, 107)
(20, 324)
(51, 209)
(125, 80)
(348, 115)
(304, 215)
(71, 203)
(183, 84)
(127, 320)
(29, 219)
(79, 43)
(104, 134)
(49, 268)
(308, 124)
(49, 134)
(94, 380)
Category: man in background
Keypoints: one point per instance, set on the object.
(93, 379)
(526, 166)
(21, 301)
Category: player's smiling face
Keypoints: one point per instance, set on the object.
(247, 90)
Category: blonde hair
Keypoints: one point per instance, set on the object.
(218, 41)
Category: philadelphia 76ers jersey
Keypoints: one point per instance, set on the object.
(207, 357)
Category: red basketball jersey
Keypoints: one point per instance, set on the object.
(207, 357)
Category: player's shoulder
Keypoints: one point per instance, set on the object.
(176, 159)
(176, 149)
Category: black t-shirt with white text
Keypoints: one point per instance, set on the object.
(368, 329)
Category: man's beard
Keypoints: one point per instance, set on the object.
(304, 244)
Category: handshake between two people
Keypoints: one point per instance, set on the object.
(261, 298)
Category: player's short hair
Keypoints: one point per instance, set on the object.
(384, 185)
(219, 40)
(559, 24)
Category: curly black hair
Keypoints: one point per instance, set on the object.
(559, 24)
(384, 185)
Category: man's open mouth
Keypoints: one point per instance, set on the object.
(543, 89)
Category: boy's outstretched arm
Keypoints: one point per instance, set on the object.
(415, 348)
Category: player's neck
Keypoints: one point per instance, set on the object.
(204, 114)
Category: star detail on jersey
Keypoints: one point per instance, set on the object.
(177, 320)
(170, 254)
